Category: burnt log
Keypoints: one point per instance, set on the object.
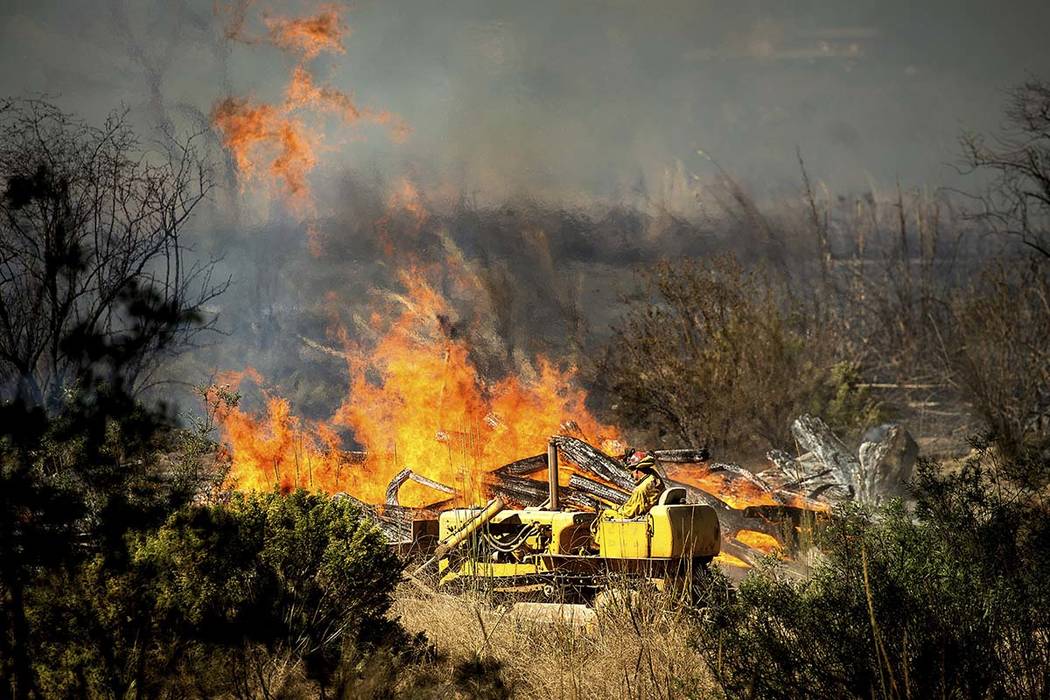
(395, 485)
(529, 492)
(593, 460)
(523, 467)
(393, 526)
(571, 427)
(739, 472)
(784, 468)
(598, 490)
(683, 456)
(751, 557)
(518, 489)
(367, 510)
(887, 459)
(396, 521)
(829, 471)
(404, 475)
(814, 435)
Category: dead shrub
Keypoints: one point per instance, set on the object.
(639, 649)
(714, 354)
(997, 354)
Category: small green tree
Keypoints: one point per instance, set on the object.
(951, 601)
(217, 594)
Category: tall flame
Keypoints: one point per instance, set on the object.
(416, 400)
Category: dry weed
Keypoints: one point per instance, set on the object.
(636, 647)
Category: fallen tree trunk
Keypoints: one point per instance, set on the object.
(519, 490)
(598, 490)
(814, 435)
(529, 492)
(523, 467)
(593, 460)
(404, 475)
(739, 472)
(394, 523)
(682, 456)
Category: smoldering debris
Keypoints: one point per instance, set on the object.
(827, 470)
(757, 512)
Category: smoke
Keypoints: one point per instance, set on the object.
(553, 150)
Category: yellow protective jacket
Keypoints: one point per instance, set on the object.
(646, 494)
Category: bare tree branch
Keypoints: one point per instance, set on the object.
(91, 247)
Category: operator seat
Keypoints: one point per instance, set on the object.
(673, 496)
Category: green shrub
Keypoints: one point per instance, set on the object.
(844, 402)
(952, 600)
(219, 593)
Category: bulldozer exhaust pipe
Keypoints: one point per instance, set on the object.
(469, 528)
(552, 475)
(488, 513)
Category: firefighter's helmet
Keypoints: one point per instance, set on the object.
(641, 460)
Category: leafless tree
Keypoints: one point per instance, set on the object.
(1017, 201)
(92, 258)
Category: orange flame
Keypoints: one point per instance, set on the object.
(736, 493)
(767, 544)
(309, 36)
(278, 451)
(407, 198)
(303, 92)
(416, 400)
(271, 138)
(263, 134)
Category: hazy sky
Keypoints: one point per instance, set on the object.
(580, 97)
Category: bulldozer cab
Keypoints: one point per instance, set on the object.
(671, 529)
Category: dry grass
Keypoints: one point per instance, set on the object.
(634, 648)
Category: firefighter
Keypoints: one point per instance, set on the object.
(647, 489)
(646, 493)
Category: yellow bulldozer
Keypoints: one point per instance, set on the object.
(568, 555)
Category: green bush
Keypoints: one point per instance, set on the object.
(223, 595)
(844, 402)
(952, 600)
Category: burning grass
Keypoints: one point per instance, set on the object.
(416, 400)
